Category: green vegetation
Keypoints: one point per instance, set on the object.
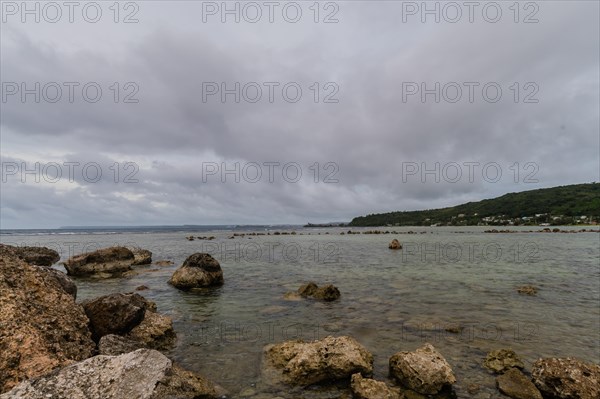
(578, 203)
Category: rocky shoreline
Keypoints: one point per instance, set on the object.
(110, 347)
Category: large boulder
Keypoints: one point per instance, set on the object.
(107, 262)
(306, 363)
(326, 293)
(115, 313)
(142, 374)
(367, 388)
(39, 256)
(41, 326)
(566, 378)
(199, 270)
(141, 256)
(500, 360)
(424, 370)
(516, 385)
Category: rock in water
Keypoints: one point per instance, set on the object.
(329, 359)
(566, 378)
(500, 360)
(395, 244)
(199, 270)
(115, 313)
(326, 293)
(527, 290)
(112, 261)
(424, 370)
(39, 256)
(515, 384)
(366, 388)
(155, 331)
(142, 374)
(141, 256)
(41, 326)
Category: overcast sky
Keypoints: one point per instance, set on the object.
(360, 134)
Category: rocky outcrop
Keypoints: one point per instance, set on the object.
(199, 270)
(141, 256)
(516, 385)
(326, 293)
(306, 363)
(106, 262)
(115, 313)
(500, 360)
(41, 326)
(39, 256)
(142, 374)
(366, 388)
(566, 378)
(395, 244)
(424, 370)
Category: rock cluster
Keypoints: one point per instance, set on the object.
(41, 326)
(199, 270)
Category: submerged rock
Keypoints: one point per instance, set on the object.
(516, 385)
(566, 378)
(424, 370)
(199, 270)
(500, 360)
(366, 388)
(395, 244)
(142, 374)
(326, 293)
(115, 313)
(41, 326)
(141, 256)
(106, 262)
(329, 359)
(527, 290)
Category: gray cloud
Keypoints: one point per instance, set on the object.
(370, 134)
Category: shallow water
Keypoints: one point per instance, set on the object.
(391, 300)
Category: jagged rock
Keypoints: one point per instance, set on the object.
(395, 244)
(527, 290)
(424, 370)
(326, 293)
(142, 374)
(366, 388)
(306, 363)
(198, 270)
(115, 313)
(516, 385)
(39, 256)
(566, 378)
(115, 345)
(41, 326)
(155, 331)
(62, 279)
(500, 360)
(141, 256)
(106, 262)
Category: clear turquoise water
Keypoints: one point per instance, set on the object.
(391, 300)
